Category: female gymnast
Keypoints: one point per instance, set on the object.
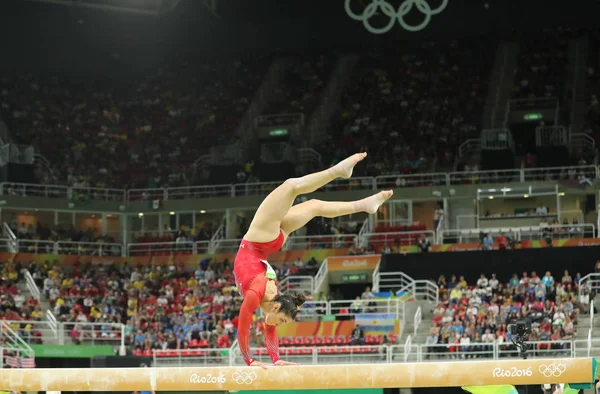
(273, 222)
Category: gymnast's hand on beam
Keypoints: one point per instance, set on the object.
(281, 363)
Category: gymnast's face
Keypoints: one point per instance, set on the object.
(276, 318)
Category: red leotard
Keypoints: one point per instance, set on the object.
(251, 281)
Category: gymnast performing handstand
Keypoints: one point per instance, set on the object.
(274, 221)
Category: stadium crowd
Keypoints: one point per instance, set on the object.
(471, 317)
(410, 108)
(163, 307)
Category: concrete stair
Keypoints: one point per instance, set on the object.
(48, 336)
(583, 327)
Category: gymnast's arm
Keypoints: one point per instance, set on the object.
(250, 304)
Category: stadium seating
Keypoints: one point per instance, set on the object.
(410, 107)
(179, 112)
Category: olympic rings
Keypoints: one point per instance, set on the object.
(552, 370)
(244, 377)
(388, 10)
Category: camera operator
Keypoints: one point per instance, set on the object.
(518, 331)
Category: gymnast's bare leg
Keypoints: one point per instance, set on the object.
(276, 213)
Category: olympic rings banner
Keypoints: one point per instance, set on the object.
(306, 377)
(386, 8)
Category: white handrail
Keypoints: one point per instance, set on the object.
(296, 283)
(11, 337)
(407, 348)
(321, 276)
(589, 339)
(32, 286)
(375, 278)
(520, 233)
(400, 180)
(417, 320)
(592, 314)
(52, 322)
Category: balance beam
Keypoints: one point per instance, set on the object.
(425, 374)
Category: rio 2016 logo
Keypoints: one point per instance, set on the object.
(511, 372)
(208, 378)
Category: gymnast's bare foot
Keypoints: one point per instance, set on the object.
(344, 168)
(372, 204)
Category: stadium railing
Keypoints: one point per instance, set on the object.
(31, 285)
(195, 357)
(298, 242)
(87, 333)
(321, 354)
(391, 238)
(351, 308)
(89, 248)
(417, 320)
(525, 233)
(406, 352)
(263, 188)
(67, 247)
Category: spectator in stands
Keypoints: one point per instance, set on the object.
(424, 244)
(358, 336)
(438, 213)
(488, 242)
(431, 341)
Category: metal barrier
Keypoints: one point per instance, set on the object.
(407, 352)
(98, 194)
(377, 305)
(411, 180)
(146, 194)
(11, 339)
(297, 284)
(229, 245)
(87, 333)
(590, 282)
(417, 320)
(321, 354)
(199, 357)
(312, 309)
(396, 238)
(198, 192)
(559, 173)
(407, 348)
(89, 248)
(36, 246)
(32, 286)
(320, 242)
(254, 189)
(35, 332)
(263, 188)
(539, 349)
(34, 190)
(478, 177)
(524, 233)
(68, 248)
(161, 248)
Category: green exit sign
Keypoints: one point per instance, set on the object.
(278, 133)
(354, 277)
(533, 116)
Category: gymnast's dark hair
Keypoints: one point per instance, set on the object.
(290, 303)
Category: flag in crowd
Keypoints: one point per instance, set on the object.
(20, 362)
(376, 323)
